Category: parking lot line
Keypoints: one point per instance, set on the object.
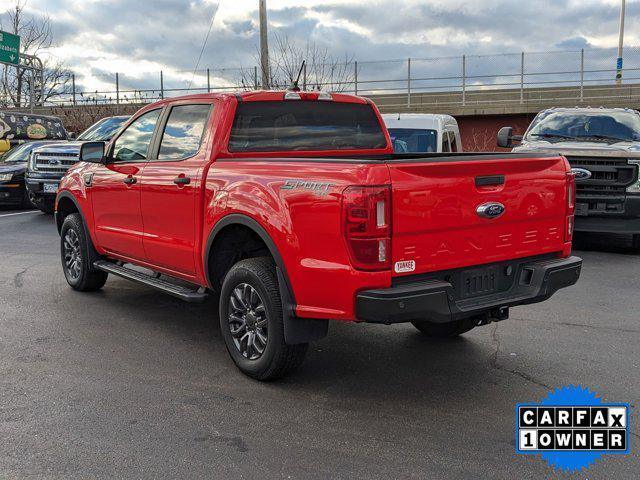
(19, 213)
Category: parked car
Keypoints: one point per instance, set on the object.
(423, 133)
(13, 165)
(18, 128)
(49, 163)
(603, 148)
(293, 209)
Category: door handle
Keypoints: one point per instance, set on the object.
(130, 180)
(182, 180)
(490, 181)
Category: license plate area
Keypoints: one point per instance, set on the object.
(491, 279)
(50, 187)
(479, 281)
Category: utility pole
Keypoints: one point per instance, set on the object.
(620, 45)
(264, 46)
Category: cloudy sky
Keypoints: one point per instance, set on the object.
(140, 38)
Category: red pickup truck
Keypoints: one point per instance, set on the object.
(292, 208)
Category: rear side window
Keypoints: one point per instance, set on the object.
(305, 126)
(183, 133)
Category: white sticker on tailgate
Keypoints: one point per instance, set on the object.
(405, 266)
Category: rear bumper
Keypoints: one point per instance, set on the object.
(436, 300)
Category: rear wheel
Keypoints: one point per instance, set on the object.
(252, 324)
(75, 250)
(445, 330)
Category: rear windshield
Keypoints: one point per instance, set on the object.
(305, 126)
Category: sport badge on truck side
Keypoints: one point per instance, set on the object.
(321, 188)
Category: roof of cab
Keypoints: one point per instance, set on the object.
(262, 96)
(435, 121)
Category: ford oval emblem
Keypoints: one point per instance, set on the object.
(53, 161)
(490, 210)
(581, 173)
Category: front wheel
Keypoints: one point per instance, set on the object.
(26, 201)
(47, 209)
(75, 252)
(445, 330)
(252, 324)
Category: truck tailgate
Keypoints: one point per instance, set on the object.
(436, 222)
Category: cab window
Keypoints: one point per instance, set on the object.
(183, 133)
(133, 143)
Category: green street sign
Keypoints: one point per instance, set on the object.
(9, 48)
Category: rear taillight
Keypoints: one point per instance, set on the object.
(366, 224)
(571, 206)
(571, 192)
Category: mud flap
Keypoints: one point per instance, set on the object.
(298, 330)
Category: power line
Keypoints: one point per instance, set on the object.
(204, 44)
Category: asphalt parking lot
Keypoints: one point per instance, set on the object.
(129, 383)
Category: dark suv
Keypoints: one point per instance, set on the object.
(49, 163)
(13, 165)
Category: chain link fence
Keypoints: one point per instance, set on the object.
(467, 80)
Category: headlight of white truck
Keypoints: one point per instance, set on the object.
(5, 177)
(635, 187)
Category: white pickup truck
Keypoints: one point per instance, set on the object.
(423, 133)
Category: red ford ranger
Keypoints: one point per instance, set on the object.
(292, 208)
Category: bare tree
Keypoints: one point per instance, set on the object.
(480, 140)
(322, 71)
(35, 39)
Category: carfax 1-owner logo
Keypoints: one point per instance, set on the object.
(572, 428)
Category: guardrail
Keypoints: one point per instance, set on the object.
(456, 81)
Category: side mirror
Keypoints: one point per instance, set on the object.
(71, 136)
(506, 137)
(92, 152)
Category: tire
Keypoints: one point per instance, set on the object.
(77, 252)
(26, 203)
(252, 324)
(45, 206)
(445, 330)
(635, 243)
